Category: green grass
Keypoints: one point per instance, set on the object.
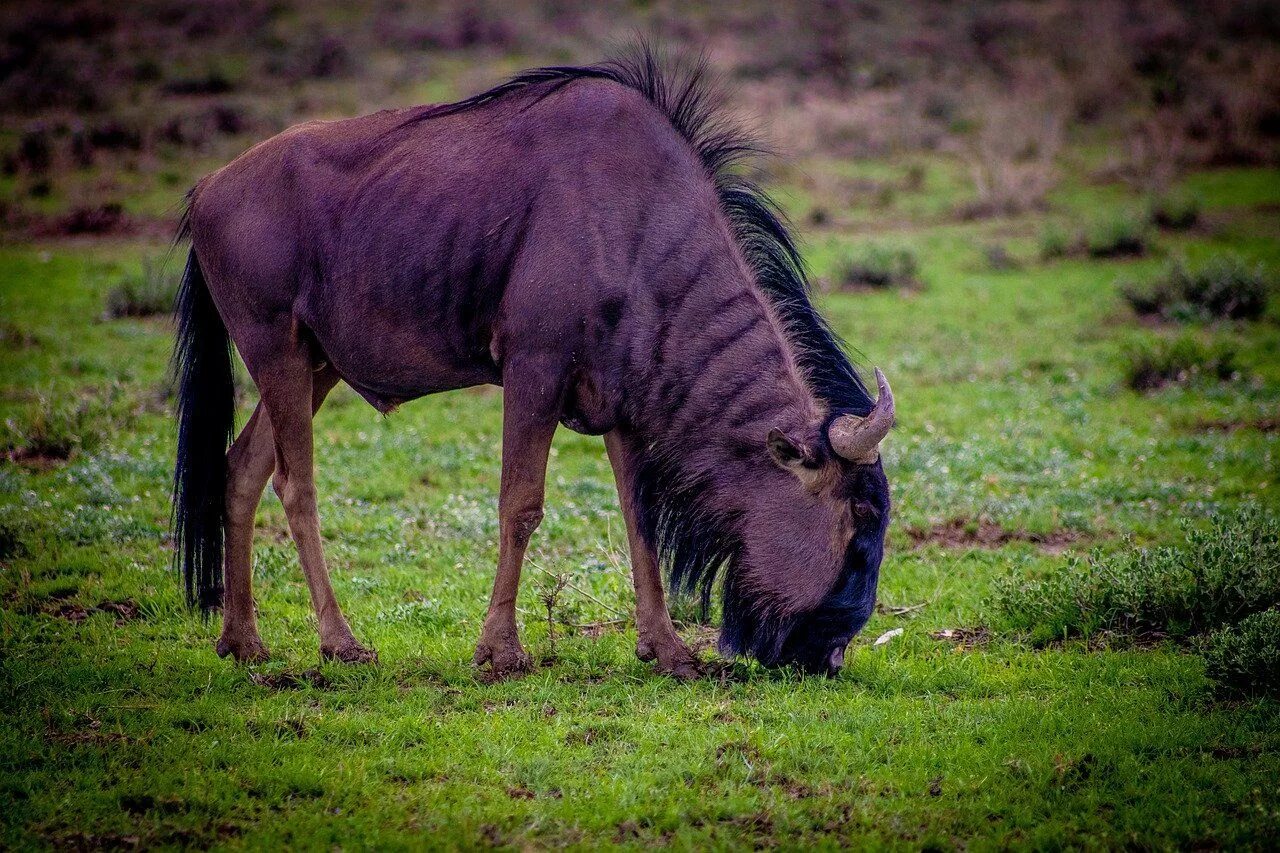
(119, 721)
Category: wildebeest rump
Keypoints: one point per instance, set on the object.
(582, 237)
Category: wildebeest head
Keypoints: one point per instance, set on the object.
(807, 573)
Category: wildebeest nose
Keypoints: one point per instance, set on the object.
(835, 660)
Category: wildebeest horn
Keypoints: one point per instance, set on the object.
(858, 439)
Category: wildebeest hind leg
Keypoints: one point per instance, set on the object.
(657, 638)
(250, 462)
(288, 385)
(529, 418)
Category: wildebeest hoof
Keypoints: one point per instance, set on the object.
(675, 660)
(243, 649)
(349, 652)
(504, 661)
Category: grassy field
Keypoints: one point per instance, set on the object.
(1018, 441)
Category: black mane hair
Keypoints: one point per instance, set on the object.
(694, 540)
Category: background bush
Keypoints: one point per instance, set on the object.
(1245, 658)
(1153, 363)
(1226, 287)
(877, 266)
(146, 293)
(1119, 235)
(1217, 577)
(1176, 211)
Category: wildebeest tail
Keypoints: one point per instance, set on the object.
(206, 420)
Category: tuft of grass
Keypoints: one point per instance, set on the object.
(146, 293)
(877, 266)
(1153, 363)
(1225, 288)
(1245, 658)
(1215, 577)
(1174, 211)
(1119, 235)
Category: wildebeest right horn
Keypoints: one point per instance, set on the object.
(858, 439)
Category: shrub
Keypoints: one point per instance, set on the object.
(146, 293)
(1217, 576)
(877, 266)
(1175, 211)
(1224, 288)
(1119, 235)
(1245, 658)
(1158, 362)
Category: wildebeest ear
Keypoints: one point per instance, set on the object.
(784, 451)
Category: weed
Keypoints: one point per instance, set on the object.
(148, 292)
(1153, 363)
(1245, 658)
(1119, 235)
(1215, 577)
(877, 266)
(1225, 288)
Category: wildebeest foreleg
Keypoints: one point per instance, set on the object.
(529, 419)
(250, 462)
(657, 638)
(287, 387)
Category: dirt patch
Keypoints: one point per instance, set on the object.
(125, 610)
(960, 533)
(38, 460)
(964, 638)
(289, 680)
(1262, 424)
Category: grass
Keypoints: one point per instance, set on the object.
(120, 725)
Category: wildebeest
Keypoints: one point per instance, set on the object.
(585, 238)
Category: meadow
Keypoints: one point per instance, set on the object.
(1042, 416)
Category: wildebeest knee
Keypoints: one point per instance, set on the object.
(523, 523)
(294, 494)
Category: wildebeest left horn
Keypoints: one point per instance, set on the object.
(858, 439)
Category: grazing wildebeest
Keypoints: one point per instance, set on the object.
(583, 238)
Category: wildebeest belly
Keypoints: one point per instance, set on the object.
(393, 351)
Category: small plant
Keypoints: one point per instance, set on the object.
(1225, 288)
(1118, 236)
(1155, 363)
(1217, 576)
(149, 292)
(1245, 658)
(549, 591)
(877, 266)
(1176, 211)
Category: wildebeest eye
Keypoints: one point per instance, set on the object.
(865, 511)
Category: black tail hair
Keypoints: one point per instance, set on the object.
(206, 421)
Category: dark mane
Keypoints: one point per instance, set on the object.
(693, 537)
